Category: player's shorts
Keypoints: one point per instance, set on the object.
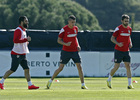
(66, 56)
(18, 59)
(120, 56)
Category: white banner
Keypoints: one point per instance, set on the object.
(107, 63)
(44, 63)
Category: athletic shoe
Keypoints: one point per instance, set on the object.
(49, 85)
(84, 87)
(2, 86)
(130, 87)
(109, 84)
(33, 87)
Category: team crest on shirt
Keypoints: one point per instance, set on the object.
(128, 31)
(17, 56)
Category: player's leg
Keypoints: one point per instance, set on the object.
(64, 59)
(112, 72)
(27, 75)
(57, 71)
(77, 60)
(9, 72)
(80, 71)
(24, 65)
(126, 60)
(28, 78)
(118, 57)
(128, 69)
(14, 66)
(114, 69)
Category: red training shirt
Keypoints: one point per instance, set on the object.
(122, 35)
(69, 35)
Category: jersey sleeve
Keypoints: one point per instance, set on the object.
(116, 32)
(61, 33)
(17, 37)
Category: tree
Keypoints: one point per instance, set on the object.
(109, 12)
(46, 14)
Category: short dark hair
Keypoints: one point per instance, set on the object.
(21, 19)
(72, 17)
(125, 16)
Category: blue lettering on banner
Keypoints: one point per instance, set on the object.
(55, 64)
(69, 64)
(39, 63)
(48, 64)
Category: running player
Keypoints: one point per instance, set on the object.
(68, 38)
(121, 37)
(18, 53)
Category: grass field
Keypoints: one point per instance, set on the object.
(70, 89)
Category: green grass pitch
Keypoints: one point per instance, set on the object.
(70, 89)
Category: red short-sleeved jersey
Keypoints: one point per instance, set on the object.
(69, 35)
(122, 35)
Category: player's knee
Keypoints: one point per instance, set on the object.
(128, 67)
(26, 69)
(115, 68)
(12, 70)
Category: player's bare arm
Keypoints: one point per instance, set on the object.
(115, 42)
(79, 48)
(60, 41)
(130, 45)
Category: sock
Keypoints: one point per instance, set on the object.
(83, 84)
(2, 80)
(109, 78)
(30, 83)
(50, 80)
(129, 81)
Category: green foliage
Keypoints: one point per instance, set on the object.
(53, 14)
(45, 14)
(136, 26)
(109, 12)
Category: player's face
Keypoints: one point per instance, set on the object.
(125, 22)
(72, 23)
(25, 23)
